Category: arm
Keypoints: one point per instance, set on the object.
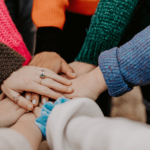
(128, 65)
(80, 124)
(27, 128)
(10, 61)
(9, 34)
(24, 135)
(120, 69)
(106, 28)
(49, 17)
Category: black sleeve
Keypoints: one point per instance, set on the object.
(48, 39)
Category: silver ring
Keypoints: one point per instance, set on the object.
(42, 76)
(16, 99)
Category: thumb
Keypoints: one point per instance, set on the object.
(66, 69)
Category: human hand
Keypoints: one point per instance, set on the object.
(9, 112)
(54, 62)
(90, 85)
(28, 78)
(81, 68)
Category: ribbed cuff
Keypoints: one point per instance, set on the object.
(48, 39)
(112, 75)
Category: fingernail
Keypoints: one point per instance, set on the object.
(69, 89)
(74, 74)
(27, 97)
(29, 107)
(44, 100)
(33, 101)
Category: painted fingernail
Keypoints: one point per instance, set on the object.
(69, 89)
(74, 74)
(29, 107)
(33, 101)
(44, 100)
(27, 97)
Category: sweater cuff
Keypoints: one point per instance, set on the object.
(48, 39)
(109, 66)
(10, 61)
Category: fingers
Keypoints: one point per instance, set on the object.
(52, 75)
(22, 102)
(42, 90)
(44, 99)
(37, 112)
(35, 99)
(28, 96)
(56, 86)
(58, 78)
(68, 70)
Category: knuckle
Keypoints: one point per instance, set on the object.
(27, 81)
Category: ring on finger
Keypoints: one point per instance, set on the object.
(16, 99)
(42, 76)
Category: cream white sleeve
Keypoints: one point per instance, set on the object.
(80, 125)
(12, 140)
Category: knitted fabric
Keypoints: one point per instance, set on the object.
(106, 28)
(10, 61)
(139, 21)
(10, 35)
(48, 39)
(128, 65)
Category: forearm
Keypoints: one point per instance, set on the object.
(9, 34)
(106, 28)
(128, 65)
(68, 126)
(30, 131)
(10, 61)
(49, 17)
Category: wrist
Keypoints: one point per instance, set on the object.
(30, 131)
(99, 81)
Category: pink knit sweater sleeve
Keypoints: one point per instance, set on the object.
(9, 34)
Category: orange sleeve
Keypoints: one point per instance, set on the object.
(47, 13)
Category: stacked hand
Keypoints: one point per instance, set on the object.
(53, 62)
(89, 85)
(84, 85)
(28, 79)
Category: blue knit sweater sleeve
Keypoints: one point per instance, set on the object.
(128, 65)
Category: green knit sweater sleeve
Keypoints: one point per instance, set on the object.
(106, 28)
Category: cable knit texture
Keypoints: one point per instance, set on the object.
(10, 35)
(128, 65)
(10, 61)
(106, 28)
